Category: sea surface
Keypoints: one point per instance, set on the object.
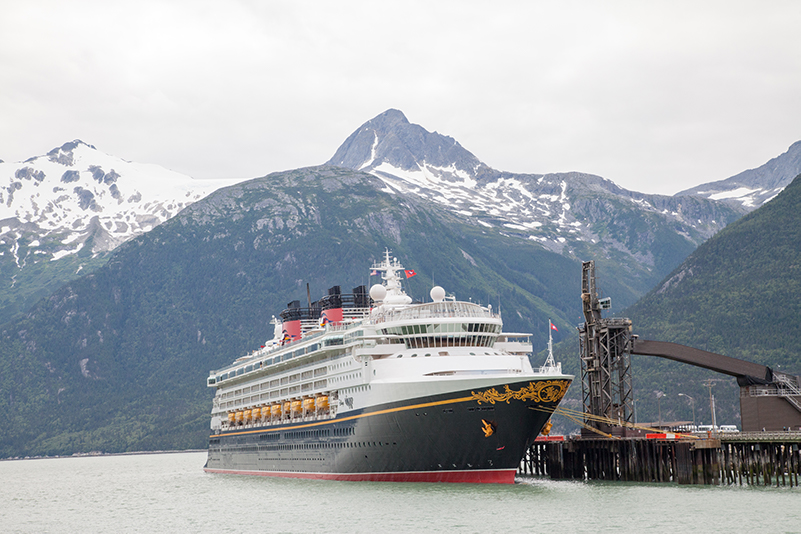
(171, 493)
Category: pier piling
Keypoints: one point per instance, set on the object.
(746, 458)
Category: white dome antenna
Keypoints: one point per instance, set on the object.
(437, 294)
(378, 292)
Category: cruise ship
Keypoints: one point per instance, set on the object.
(372, 386)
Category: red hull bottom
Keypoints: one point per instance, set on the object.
(482, 476)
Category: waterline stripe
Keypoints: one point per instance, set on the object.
(497, 476)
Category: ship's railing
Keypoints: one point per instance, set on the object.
(435, 310)
(328, 339)
(775, 435)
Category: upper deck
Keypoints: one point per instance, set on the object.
(438, 324)
(373, 326)
(443, 310)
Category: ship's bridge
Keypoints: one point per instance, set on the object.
(442, 324)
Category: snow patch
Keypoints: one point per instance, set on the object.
(469, 258)
(62, 253)
(84, 370)
(372, 152)
(734, 193)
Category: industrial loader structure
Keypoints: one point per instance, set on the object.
(769, 400)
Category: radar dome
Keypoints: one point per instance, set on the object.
(378, 292)
(437, 294)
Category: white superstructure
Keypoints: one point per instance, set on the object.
(392, 351)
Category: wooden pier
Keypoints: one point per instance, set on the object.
(744, 458)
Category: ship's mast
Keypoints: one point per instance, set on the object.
(550, 363)
(392, 282)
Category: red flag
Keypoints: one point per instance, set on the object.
(409, 273)
(553, 326)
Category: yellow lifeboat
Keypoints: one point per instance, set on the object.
(246, 415)
(275, 410)
(287, 406)
(308, 405)
(255, 413)
(231, 417)
(239, 416)
(321, 402)
(297, 406)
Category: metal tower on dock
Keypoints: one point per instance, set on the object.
(605, 346)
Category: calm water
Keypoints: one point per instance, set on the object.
(171, 493)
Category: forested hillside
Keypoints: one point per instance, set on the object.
(738, 294)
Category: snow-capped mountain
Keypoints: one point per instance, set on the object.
(77, 192)
(570, 213)
(75, 204)
(754, 187)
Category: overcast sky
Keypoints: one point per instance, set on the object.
(655, 96)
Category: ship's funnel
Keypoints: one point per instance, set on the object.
(290, 322)
(332, 307)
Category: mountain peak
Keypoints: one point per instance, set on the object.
(72, 145)
(754, 187)
(389, 145)
(64, 154)
(389, 118)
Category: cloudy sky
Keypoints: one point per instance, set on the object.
(657, 96)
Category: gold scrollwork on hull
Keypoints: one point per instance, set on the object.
(540, 391)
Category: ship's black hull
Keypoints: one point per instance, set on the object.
(465, 436)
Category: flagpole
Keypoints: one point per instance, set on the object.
(550, 363)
